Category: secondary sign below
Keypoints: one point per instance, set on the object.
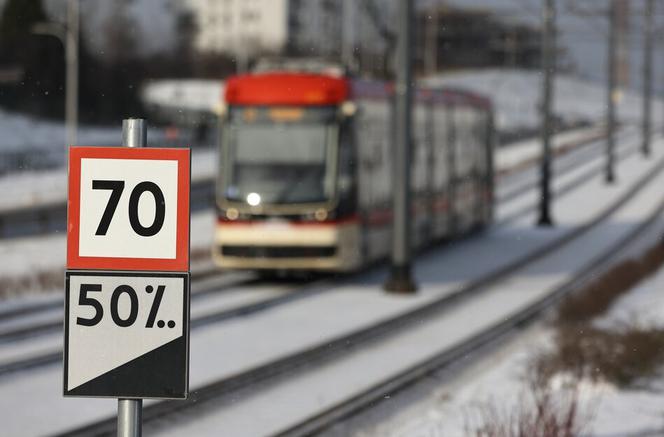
(126, 334)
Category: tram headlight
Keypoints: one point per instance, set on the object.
(348, 109)
(254, 199)
(320, 215)
(232, 214)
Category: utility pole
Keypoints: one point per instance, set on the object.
(647, 75)
(431, 42)
(549, 70)
(611, 94)
(68, 35)
(400, 280)
(348, 34)
(71, 88)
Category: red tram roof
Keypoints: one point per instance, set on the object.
(286, 89)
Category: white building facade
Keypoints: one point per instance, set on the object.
(240, 27)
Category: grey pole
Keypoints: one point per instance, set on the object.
(348, 34)
(71, 89)
(611, 94)
(130, 411)
(549, 67)
(647, 75)
(400, 276)
(134, 132)
(431, 42)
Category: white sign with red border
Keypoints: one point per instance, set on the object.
(128, 209)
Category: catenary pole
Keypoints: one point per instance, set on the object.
(400, 279)
(647, 76)
(348, 34)
(71, 53)
(134, 134)
(548, 67)
(611, 94)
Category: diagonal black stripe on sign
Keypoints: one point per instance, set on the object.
(160, 373)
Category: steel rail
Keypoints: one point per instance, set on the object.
(51, 326)
(23, 311)
(569, 186)
(308, 289)
(43, 359)
(591, 150)
(372, 397)
(228, 388)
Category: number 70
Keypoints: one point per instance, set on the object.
(117, 187)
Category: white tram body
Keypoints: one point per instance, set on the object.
(305, 170)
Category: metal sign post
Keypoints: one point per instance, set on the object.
(130, 411)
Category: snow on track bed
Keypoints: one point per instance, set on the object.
(222, 352)
(211, 305)
(514, 184)
(238, 303)
(310, 392)
(564, 182)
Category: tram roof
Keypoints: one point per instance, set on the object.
(310, 89)
(286, 89)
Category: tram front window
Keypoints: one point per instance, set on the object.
(273, 164)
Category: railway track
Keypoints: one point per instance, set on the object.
(307, 290)
(582, 153)
(227, 390)
(598, 169)
(470, 347)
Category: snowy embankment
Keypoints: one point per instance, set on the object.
(499, 387)
(514, 93)
(20, 132)
(516, 96)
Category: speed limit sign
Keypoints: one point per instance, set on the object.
(128, 209)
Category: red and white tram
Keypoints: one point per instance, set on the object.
(305, 170)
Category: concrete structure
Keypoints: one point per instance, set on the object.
(241, 27)
(250, 28)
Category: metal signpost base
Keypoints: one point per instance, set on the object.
(130, 417)
(130, 411)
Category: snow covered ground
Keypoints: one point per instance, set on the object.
(446, 405)
(224, 349)
(451, 403)
(516, 96)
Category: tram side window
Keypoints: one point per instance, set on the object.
(440, 143)
(420, 149)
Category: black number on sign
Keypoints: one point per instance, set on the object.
(133, 311)
(83, 299)
(116, 188)
(160, 209)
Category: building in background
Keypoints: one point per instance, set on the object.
(240, 27)
(451, 38)
(247, 29)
